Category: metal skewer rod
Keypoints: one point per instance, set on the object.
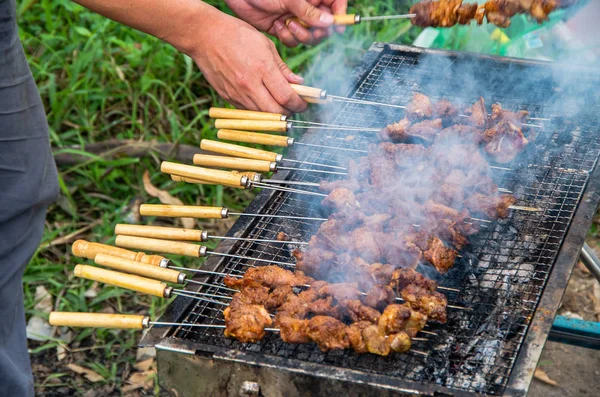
(132, 321)
(273, 140)
(251, 153)
(251, 164)
(181, 248)
(225, 178)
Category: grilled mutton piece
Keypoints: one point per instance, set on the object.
(447, 13)
(491, 207)
(405, 132)
(268, 276)
(328, 333)
(246, 322)
(432, 304)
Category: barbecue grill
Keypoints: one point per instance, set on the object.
(512, 276)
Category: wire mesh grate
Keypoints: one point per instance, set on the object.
(504, 270)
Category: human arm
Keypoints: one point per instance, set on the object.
(240, 63)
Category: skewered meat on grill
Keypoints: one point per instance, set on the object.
(445, 110)
(432, 304)
(341, 291)
(246, 322)
(268, 276)
(394, 318)
(403, 131)
(492, 207)
(292, 330)
(447, 13)
(400, 342)
(356, 311)
(354, 332)
(419, 108)
(402, 278)
(440, 256)
(328, 333)
(325, 307)
(376, 341)
(380, 296)
(477, 113)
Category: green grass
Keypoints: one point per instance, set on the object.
(100, 80)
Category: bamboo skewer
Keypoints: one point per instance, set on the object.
(225, 178)
(181, 248)
(177, 234)
(252, 153)
(265, 139)
(132, 321)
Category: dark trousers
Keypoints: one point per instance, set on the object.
(28, 184)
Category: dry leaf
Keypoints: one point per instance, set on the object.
(61, 352)
(543, 377)
(144, 365)
(139, 380)
(37, 327)
(88, 373)
(92, 292)
(166, 198)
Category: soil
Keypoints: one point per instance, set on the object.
(576, 370)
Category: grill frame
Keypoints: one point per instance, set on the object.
(532, 344)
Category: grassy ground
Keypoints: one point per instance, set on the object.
(99, 81)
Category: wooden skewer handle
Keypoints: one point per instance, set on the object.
(85, 249)
(206, 174)
(253, 125)
(238, 151)
(237, 163)
(183, 211)
(178, 178)
(128, 281)
(340, 19)
(253, 176)
(309, 92)
(98, 320)
(222, 113)
(255, 137)
(165, 233)
(165, 246)
(140, 269)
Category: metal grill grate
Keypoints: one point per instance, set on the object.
(502, 274)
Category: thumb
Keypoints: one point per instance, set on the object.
(310, 14)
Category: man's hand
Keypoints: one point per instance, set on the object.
(243, 66)
(238, 61)
(271, 15)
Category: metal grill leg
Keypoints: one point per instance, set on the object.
(590, 260)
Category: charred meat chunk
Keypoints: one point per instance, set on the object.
(431, 303)
(292, 330)
(328, 333)
(246, 323)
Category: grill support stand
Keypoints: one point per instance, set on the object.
(579, 332)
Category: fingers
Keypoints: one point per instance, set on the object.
(285, 35)
(277, 82)
(300, 33)
(338, 7)
(309, 13)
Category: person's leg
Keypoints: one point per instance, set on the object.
(28, 184)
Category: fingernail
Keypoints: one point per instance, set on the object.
(326, 18)
(294, 26)
(278, 25)
(296, 77)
